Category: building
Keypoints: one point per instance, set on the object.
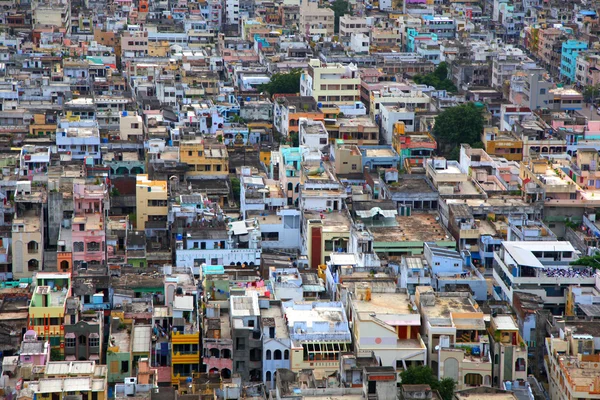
(331, 83)
(276, 343)
(61, 377)
(247, 336)
(205, 160)
(538, 267)
(387, 324)
(151, 203)
(48, 307)
(568, 58)
(319, 334)
(508, 350)
(316, 21)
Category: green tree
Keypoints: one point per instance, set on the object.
(423, 375)
(590, 93)
(340, 8)
(283, 83)
(438, 79)
(456, 125)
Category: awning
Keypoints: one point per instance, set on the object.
(94, 336)
(313, 288)
(93, 357)
(69, 335)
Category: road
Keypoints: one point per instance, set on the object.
(590, 113)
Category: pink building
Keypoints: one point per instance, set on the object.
(87, 229)
(34, 351)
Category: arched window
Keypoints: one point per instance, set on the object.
(268, 379)
(520, 365)
(297, 188)
(277, 355)
(290, 186)
(286, 355)
(268, 356)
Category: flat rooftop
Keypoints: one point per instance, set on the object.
(385, 303)
(418, 227)
(273, 317)
(417, 184)
(332, 221)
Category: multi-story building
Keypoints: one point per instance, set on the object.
(84, 338)
(185, 336)
(246, 334)
(587, 72)
(337, 83)
(319, 334)
(316, 21)
(79, 139)
(151, 203)
(88, 235)
(568, 59)
(387, 325)
(289, 110)
(572, 363)
(205, 160)
(538, 267)
(549, 49)
(27, 231)
(48, 307)
(508, 350)
(413, 147)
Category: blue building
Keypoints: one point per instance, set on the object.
(568, 58)
(414, 37)
(376, 157)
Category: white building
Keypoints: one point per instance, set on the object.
(276, 344)
(259, 194)
(80, 138)
(390, 114)
(313, 135)
(359, 43)
(232, 11)
(219, 244)
(538, 267)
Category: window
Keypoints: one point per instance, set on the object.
(124, 366)
(473, 380)
(277, 355)
(94, 342)
(82, 340)
(268, 355)
(70, 342)
(323, 141)
(353, 166)
(240, 344)
(286, 355)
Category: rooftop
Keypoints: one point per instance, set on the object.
(419, 227)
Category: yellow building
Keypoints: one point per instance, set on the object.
(43, 125)
(332, 83)
(502, 144)
(185, 339)
(63, 378)
(159, 49)
(204, 159)
(151, 203)
(48, 304)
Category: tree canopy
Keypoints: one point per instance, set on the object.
(423, 375)
(283, 83)
(340, 8)
(438, 79)
(456, 125)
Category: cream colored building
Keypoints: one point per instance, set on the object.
(151, 203)
(131, 126)
(350, 24)
(386, 323)
(316, 21)
(573, 365)
(333, 83)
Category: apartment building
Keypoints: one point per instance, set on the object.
(205, 160)
(48, 307)
(88, 236)
(151, 203)
(316, 21)
(319, 334)
(337, 83)
(538, 267)
(386, 323)
(508, 349)
(59, 378)
(568, 58)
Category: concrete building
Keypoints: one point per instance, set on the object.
(540, 268)
(316, 21)
(205, 160)
(27, 234)
(319, 334)
(247, 336)
(48, 307)
(276, 343)
(508, 350)
(337, 83)
(151, 203)
(387, 324)
(568, 58)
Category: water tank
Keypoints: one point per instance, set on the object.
(508, 385)
(248, 98)
(124, 113)
(319, 105)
